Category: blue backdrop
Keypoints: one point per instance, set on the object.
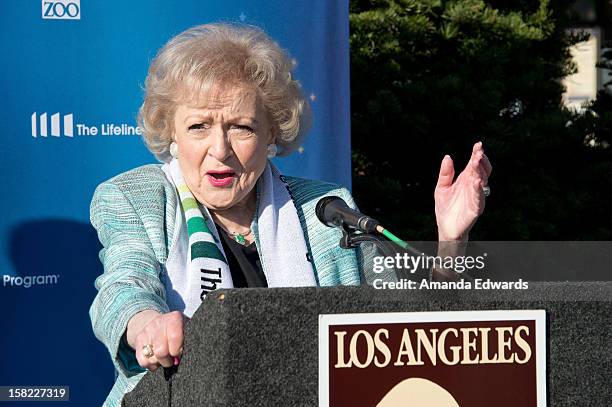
(73, 68)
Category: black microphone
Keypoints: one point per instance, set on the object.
(333, 211)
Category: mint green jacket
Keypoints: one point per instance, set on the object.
(134, 214)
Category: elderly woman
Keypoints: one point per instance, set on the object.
(220, 102)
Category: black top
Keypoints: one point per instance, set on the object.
(243, 261)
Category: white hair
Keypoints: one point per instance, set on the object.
(222, 54)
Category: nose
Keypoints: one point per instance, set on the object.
(220, 147)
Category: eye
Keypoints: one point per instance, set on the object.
(199, 126)
(242, 127)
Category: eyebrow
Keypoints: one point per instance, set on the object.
(205, 115)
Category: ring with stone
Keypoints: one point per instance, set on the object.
(147, 351)
(486, 191)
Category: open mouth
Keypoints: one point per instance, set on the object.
(220, 178)
(221, 175)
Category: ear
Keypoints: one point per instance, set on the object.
(274, 131)
(173, 133)
(172, 139)
(173, 114)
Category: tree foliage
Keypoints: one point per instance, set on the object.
(431, 77)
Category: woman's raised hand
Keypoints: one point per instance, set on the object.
(160, 333)
(458, 204)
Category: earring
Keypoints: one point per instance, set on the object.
(272, 150)
(174, 150)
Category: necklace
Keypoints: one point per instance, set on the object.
(239, 237)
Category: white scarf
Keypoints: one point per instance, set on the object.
(278, 234)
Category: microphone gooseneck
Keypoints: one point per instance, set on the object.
(334, 212)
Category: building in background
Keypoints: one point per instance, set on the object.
(595, 18)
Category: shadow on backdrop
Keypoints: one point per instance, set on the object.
(48, 338)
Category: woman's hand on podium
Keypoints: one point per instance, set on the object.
(160, 333)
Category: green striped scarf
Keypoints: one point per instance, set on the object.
(206, 255)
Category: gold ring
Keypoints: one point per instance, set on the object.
(147, 351)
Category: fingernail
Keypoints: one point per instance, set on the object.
(177, 360)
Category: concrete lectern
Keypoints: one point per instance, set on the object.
(260, 347)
